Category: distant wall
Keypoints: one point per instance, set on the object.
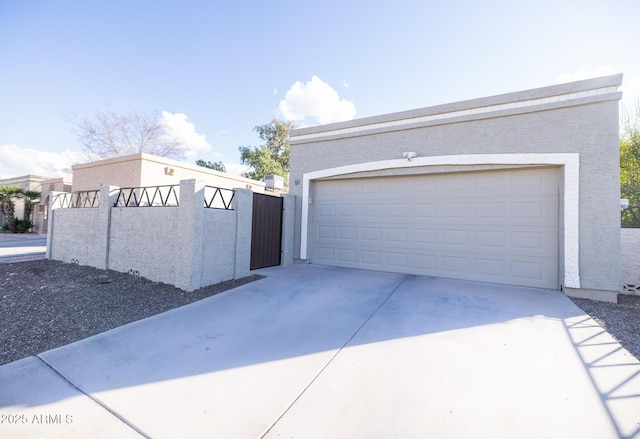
(141, 169)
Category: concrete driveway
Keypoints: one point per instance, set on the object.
(15, 247)
(320, 352)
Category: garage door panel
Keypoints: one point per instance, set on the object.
(347, 210)
(325, 232)
(327, 211)
(492, 267)
(498, 226)
(425, 263)
(324, 255)
(371, 211)
(425, 236)
(402, 211)
(426, 210)
(372, 257)
(490, 210)
(483, 239)
(372, 234)
(490, 240)
(347, 255)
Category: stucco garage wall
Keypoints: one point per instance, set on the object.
(142, 241)
(583, 122)
(78, 238)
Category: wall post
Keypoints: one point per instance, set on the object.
(108, 198)
(190, 235)
(288, 227)
(54, 203)
(243, 205)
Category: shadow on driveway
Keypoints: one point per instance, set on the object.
(315, 351)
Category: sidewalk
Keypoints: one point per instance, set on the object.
(17, 247)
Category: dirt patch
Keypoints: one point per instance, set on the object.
(45, 304)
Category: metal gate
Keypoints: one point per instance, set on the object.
(266, 231)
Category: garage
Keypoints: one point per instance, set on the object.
(521, 188)
(497, 226)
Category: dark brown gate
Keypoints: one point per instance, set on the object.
(266, 231)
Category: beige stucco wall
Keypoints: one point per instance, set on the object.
(141, 169)
(118, 171)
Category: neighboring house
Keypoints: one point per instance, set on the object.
(520, 189)
(42, 212)
(26, 182)
(142, 170)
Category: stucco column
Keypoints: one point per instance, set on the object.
(243, 206)
(108, 198)
(190, 235)
(54, 203)
(288, 228)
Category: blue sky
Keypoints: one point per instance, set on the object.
(216, 69)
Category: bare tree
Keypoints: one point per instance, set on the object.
(109, 134)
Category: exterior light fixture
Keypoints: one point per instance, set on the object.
(624, 203)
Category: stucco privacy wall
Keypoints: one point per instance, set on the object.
(188, 245)
(142, 169)
(546, 126)
(140, 241)
(77, 237)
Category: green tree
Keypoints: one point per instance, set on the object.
(216, 166)
(7, 206)
(630, 166)
(30, 197)
(272, 157)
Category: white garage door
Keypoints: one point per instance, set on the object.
(491, 226)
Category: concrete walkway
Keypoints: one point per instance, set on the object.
(16, 247)
(320, 352)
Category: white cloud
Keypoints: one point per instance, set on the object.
(316, 100)
(236, 168)
(16, 161)
(181, 129)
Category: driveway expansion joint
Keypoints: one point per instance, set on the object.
(92, 398)
(323, 368)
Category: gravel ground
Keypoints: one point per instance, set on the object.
(621, 320)
(45, 304)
